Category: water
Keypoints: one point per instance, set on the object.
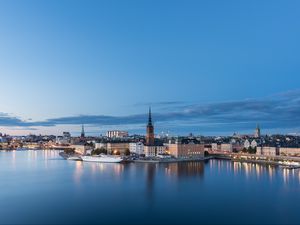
(40, 187)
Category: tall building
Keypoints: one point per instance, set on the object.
(257, 131)
(150, 149)
(82, 132)
(150, 131)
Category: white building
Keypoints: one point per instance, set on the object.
(247, 144)
(253, 144)
(226, 147)
(81, 149)
(136, 147)
(152, 151)
(215, 147)
(116, 134)
(65, 139)
(100, 145)
(66, 135)
(62, 140)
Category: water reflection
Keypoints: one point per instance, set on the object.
(150, 169)
(78, 172)
(184, 170)
(256, 171)
(114, 171)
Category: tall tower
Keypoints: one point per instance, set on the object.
(150, 131)
(82, 132)
(257, 131)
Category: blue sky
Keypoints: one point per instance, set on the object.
(208, 67)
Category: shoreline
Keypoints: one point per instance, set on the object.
(268, 160)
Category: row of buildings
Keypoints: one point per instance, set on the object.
(183, 148)
(278, 151)
(119, 142)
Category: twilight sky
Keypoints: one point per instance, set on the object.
(207, 67)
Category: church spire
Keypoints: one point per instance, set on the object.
(150, 131)
(82, 131)
(150, 117)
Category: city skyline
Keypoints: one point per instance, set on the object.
(203, 68)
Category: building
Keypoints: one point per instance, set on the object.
(215, 147)
(257, 132)
(100, 145)
(289, 151)
(247, 144)
(186, 148)
(226, 147)
(153, 151)
(253, 144)
(116, 134)
(150, 131)
(267, 151)
(82, 135)
(66, 135)
(81, 149)
(137, 148)
(64, 140)
(117, 148)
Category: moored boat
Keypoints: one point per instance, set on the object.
(102, 158)
(74, 158)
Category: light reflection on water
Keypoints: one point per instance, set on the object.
(184, 190)
(260, 171)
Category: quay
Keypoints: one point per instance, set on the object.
(282, 161)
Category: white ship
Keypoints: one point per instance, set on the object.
(74, 158)
(102, 158)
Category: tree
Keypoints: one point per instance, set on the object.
(127, 152)
(99, 151)
(245, 150)
(252, 150)
(69, 151)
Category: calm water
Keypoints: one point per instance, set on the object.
(40, 187)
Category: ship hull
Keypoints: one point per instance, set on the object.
(102, 159)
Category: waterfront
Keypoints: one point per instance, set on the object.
(41, 187)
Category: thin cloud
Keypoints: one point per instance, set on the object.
(277, 111)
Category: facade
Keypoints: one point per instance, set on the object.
(150, 141)
(153, 151)
(215, 147)
(289, 151)
(66, 135)
(62, 141)
(100, 145)
(80, 149)
(136, 147)
(267, 151)
(65, 139)
(117, 148)
(116, 134)
(253, 144)
(186, 149)
(247, 144)
(226, 147)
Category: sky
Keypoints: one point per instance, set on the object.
(206, 67)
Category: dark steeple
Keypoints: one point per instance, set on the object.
(150, 130)
(150, 118)
(82, 132)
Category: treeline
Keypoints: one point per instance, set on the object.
(249, 150)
